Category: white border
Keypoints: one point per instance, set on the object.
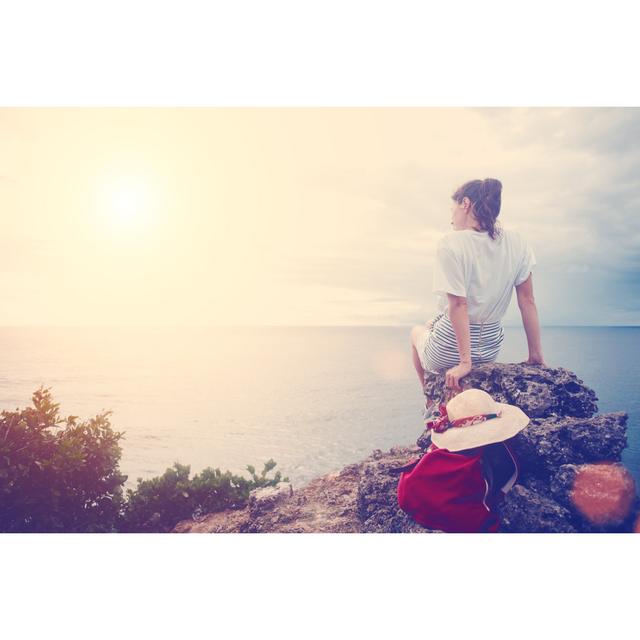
(334, 52)
(319, 585)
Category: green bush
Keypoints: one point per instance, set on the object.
(63, 476)
(158, 504)
(58, 475)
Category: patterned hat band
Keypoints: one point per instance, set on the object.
(442, 423)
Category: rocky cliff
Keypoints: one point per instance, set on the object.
(571, 476)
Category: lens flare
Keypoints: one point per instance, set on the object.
(603, 492)
(390, 364)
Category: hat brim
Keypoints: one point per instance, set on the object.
(512, 421)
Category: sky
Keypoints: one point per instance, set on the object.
(304, 216)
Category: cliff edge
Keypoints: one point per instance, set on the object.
(571, 477)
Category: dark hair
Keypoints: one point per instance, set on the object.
(485, 196)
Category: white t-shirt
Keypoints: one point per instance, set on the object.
(470, 264)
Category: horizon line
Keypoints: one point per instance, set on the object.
(275, 326)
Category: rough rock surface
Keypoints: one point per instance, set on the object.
(548, 443)
(565, 439)
(529, 511)
(377, 505)
(539, 391)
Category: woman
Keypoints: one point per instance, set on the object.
(477, 266)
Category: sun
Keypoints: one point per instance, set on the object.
(127, 203)
(130, 202)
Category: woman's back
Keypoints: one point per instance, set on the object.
(479, 264)
(483, 270)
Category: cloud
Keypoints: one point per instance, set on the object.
(570, 185)
(578, 268)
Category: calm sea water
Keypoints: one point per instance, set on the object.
(314, 399)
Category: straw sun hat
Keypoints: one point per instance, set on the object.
(472, 419)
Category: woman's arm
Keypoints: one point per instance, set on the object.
(460, 321)
(529, 313)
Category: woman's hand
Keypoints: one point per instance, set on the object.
(455, 374)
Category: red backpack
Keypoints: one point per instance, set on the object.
(457, 492)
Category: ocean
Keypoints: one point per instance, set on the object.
(313, 399)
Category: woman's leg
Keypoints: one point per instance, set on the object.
(417, 341)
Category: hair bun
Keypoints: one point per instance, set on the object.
(485, 196)
(491, 187)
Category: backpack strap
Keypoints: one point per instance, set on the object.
(407, 467)
(500, 467)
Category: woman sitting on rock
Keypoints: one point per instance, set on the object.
(477, 266)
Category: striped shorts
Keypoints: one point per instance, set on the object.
(438, 349)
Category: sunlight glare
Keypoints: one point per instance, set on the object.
(127, 203)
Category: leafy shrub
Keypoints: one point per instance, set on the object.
(63, 476)
(58, 475)
(158, 504)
